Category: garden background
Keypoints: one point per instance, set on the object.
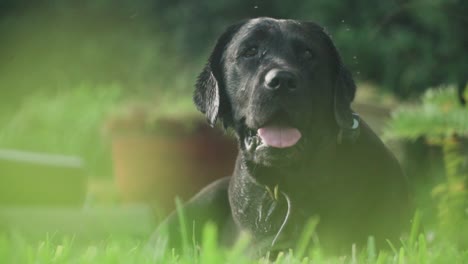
(82, 80)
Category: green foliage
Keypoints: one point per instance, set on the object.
(61, 45)
(403, 46)
(452, 195)
(436, 117)
(441, 121)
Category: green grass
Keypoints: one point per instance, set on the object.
(419, 248)
(15, 249)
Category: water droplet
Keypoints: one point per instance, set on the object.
(255, 7)
(342, 21)
(354, 57)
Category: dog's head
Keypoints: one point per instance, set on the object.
(281, 85)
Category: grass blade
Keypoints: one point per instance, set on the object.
(183, 225)
(306, 236)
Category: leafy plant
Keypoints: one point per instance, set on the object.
(436, 117)
(441, 121)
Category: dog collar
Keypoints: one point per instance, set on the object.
(350, 134)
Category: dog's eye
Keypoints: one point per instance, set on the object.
(249, 52)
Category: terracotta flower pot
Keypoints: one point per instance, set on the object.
(156, 167)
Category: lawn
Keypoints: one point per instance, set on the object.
(53, 249)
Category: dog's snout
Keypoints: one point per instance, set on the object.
(280, 80)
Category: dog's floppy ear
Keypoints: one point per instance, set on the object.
(206, 96)
(209, 96)
(343, 91)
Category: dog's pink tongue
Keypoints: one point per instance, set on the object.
(279, 137)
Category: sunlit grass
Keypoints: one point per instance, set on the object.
(16, 249)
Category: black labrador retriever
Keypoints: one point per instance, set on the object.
(282, 87)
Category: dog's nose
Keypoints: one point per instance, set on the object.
(280, 80)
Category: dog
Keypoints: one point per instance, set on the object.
(283, 89)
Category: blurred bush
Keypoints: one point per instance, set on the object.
(436, 117)
(57, 45)
(439, 121)
(404, 46)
